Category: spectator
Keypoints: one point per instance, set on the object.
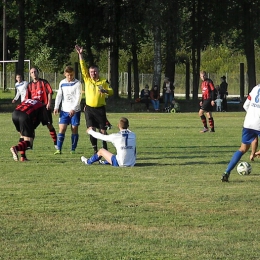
(145, 96)
(224, 92)
(21, 88)
(168, 92)
(218, 103)
(155, 97)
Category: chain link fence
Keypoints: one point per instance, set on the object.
(233, 80)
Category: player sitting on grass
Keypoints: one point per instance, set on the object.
(124, 142)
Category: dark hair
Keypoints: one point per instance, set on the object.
(123, 123)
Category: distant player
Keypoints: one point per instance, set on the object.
(124, 142)
(21, 88)
(26, 117)
(250, 132)
(207, 103)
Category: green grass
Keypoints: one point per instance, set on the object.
(171, 205)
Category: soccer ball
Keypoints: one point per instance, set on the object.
(244, 168)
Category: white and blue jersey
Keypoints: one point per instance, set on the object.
(21, 88)
(69, 93)
(252, 119)
(125, 144)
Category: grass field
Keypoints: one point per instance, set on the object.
(171, 205)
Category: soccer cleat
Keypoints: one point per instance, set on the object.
(72, 152)
(84, 160)
(23, 159)
(108, 125)
(14, 153)
(204, 130)
(58, 152)
(225, 177)
(212, 130)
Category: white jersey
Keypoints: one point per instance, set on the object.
(252, 107)
(21, 88)
(125, 144)
(69, 93)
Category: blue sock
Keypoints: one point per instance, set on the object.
(60, 139)
(93, 158)
(74, 141)
(234, 160)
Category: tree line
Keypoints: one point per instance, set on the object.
(179, 30)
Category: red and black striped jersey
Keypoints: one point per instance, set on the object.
(207, 89)
(35, 110)
(39, 90)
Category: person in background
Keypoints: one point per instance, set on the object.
(26, 117)
(69, 94)
(21, 88)
(96, 91)
(207, 102)
(155, 97)
(124, 142)
(40, 89)
(145, 96)
(224, 92)
(250, 131)
(218, 103)
(168, 92)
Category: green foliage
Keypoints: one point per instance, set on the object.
(171, 205)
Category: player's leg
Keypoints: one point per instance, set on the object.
(64, 120)
(248, 136)
(96, 157)
(75, 122)
(203, 120)
(27, 132)
(91, 123)
(52, 130)
(211, 121)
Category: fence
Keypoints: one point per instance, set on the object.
(233, 80)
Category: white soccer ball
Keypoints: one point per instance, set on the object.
(244, 168)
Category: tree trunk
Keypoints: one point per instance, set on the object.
(249, 46)
(157, 57)
(21, 32)
(135, 71)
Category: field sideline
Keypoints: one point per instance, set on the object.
(171, 205)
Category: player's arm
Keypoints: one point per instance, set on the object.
(83, 66)
(99, 136)
(16, 96)
(57, 100)
(247, 103)
(108, 90)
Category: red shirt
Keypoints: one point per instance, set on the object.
(39, 90)
(207, 89)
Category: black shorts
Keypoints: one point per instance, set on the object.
(95, 117)
(23, 123)
(49, 112)
(206, 105)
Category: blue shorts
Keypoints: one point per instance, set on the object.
(66, 119)
(248, 135)
(114, 161)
